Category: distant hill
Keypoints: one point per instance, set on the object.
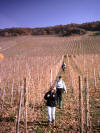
(60, 30)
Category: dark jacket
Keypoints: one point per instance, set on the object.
(51, 100)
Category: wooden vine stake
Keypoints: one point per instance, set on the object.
(25, 103)
(94, 79)
(19, 108)
(3, 99)
(99, 71)
(86, 100)
(12, 91)
(72, 82)
(50, 77)
(92, 62)
(84, 65)
(80, 104)
(88, 107)
(0, 93)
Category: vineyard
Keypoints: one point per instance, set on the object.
(30, 65)
(85, 75)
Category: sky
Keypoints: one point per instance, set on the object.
(43, 13)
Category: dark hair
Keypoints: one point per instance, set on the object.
(60, 77)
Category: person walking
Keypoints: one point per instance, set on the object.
(51, 98)
(63, 66)
(61, 87)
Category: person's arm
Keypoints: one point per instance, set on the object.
(47, 95)
(56, 84)
(64, 86)
(54, 96)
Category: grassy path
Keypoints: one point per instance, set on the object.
(66, 118)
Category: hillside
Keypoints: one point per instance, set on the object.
(59, 30)
(48, 45)
(27, 63)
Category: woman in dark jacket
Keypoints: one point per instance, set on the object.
(51, 98)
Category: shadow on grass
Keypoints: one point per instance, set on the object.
(37, 123)
(44, 124)
(7, 119)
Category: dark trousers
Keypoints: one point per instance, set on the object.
(59, 96)
(63, 69)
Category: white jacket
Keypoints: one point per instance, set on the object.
(61, 84)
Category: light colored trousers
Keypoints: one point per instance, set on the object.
(51, 113)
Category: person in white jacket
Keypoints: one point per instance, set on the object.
(61, 87)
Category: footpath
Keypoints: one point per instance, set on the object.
(67, 120)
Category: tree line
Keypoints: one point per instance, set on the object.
(59, 30)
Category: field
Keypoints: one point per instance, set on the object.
(31, 64)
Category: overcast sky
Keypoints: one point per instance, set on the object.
(42, 13)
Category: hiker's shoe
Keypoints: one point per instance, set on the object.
(53, 122)
(49, 122)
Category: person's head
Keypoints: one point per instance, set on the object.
(60, 77)
(53, 89)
